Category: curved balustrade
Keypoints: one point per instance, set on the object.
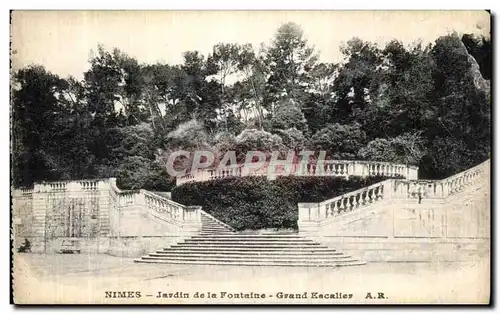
(328, 168)
(225, 172)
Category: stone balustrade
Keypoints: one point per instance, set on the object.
(391, 189)
(22, 192)
(441, 188)
(345, 203)
(68, 186)
(328, 168)
(158, 205)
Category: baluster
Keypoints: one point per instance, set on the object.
(371, 195)
(348, 205)
(345, 202)
(341, 206)
(366, 199)
(333, 207)
(380, 194)
(356, 202)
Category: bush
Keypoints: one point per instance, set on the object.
(256, 203)
(339, 141)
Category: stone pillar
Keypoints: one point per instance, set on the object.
(40, 201)
(103, 193)
(308, 222)
(412, 173)
(191, 223)
(389, 189)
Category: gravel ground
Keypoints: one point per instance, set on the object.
(57, 278)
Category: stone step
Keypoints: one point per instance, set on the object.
(248, 245)
(330, 252)
(256, 263)
(235, 235)
(210, 221)
(213, 229)
(246, 240)
(246, 249)
(249, 255)
(250, 242)
(267, 259)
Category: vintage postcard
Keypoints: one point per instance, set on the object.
(250, 157)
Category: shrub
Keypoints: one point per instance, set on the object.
(256, 203)
(339, 141)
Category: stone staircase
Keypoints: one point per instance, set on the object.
(211, 226)
(218, 245)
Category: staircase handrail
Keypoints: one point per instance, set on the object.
(160, 206)
(388, 189)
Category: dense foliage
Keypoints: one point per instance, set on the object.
(256, 203)
(424, 105)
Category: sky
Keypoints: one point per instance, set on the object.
(62, 41)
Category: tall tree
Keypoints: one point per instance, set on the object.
(50, 128)
(290, 59)
(357, 82)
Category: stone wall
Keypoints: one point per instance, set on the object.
(102, 217)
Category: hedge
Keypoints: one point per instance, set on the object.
(257, 203)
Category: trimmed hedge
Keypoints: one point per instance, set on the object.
(257, 203)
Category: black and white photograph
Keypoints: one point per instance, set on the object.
(169, 157)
